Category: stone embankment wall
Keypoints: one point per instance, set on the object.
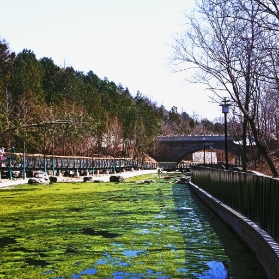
(265, 248)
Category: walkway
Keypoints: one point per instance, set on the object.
(104, 178)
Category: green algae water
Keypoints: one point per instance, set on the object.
(107, 230)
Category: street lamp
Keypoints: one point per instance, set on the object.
(10, 165)
(24, 159)
(225, 109)
(211, 156)
(204, 151)
(45, 167)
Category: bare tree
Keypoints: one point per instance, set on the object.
(270, 7)
(112, 138)
(229, 50)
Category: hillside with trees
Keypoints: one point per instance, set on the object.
(48, 109)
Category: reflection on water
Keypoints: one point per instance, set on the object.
(123, 275)
(132, 253)
(217, 271)
(90, 271)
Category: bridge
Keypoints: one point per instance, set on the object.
(17, 163)
(175, 148)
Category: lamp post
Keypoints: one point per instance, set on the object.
(204, 151)
(1, 159)
(52, 155)
(93, 163)
(24, 163)
(10, 166)
(211, 156)
(225, 109)
(45, 167)
(24, 153)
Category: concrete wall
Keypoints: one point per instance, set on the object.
(265, 248)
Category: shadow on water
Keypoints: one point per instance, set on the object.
(7, 240)
(221, 253)
(104, 234)
(35, 262)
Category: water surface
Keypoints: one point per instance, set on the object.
(107, 230)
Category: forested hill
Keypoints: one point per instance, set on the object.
(102, 118)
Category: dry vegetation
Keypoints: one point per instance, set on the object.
(263, 167)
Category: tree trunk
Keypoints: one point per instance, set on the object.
(244, 146)
(262, 149)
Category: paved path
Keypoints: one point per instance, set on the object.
(105, 178)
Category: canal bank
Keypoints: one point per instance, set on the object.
(97, 178)
(264, 247)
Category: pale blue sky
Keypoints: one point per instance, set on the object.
(126, 41)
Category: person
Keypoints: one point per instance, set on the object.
(159, 172)
(2, 153)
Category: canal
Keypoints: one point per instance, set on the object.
(131, 230)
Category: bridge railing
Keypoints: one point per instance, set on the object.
(189, 138)
(255, 197)
(15, 161)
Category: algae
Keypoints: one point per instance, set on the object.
(111, 230)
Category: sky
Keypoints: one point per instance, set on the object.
(127, 41)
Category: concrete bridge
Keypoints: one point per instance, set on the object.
(174, 148)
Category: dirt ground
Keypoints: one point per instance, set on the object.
(263, 168)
